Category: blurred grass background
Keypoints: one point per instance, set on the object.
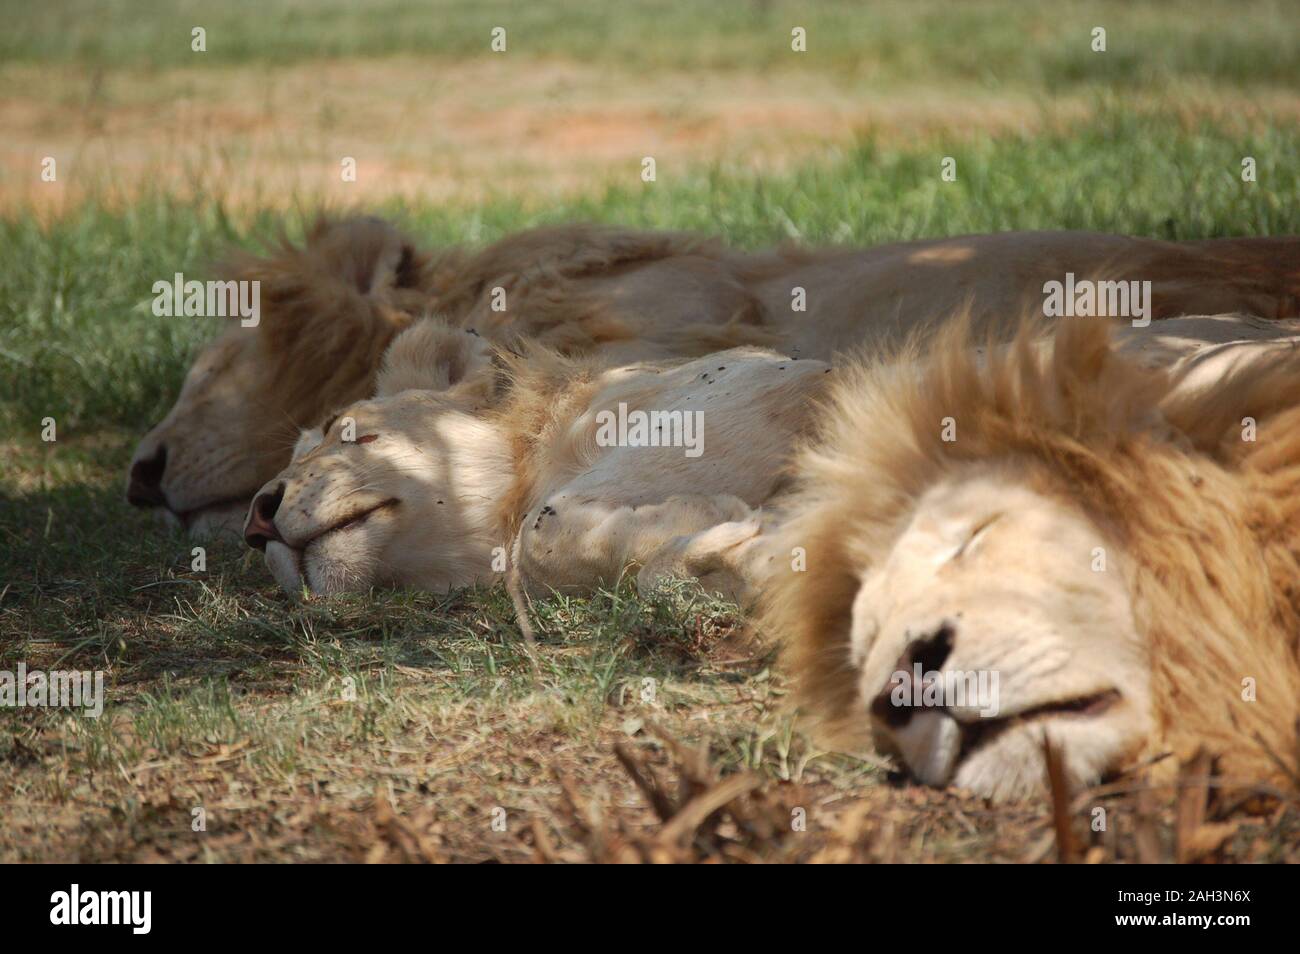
(891, 42)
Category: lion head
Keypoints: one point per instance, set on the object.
(1049, 544)
(329, 310)
(398, 490)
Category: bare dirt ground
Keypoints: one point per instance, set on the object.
(440, 130)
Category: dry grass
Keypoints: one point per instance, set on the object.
(399, 727)
(513, 786)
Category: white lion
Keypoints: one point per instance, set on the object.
(567, 473)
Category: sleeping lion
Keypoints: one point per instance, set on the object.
(332, 307)
(471, 461)
(1089, 551)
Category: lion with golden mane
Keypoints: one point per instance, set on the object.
(1118, 546)
(331, 307)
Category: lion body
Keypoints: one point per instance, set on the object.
(578, 472)
(332, 307)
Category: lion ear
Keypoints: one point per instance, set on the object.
(432, 356)
(350, 288)
(366, 253)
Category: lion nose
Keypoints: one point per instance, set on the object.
(930, 652)
(260, 528)
(924, 734)
(145, 486)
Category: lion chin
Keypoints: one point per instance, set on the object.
(328, 566)
(285, 564)
(216, 521)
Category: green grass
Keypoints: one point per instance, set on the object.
(79, 343)
(887, 42)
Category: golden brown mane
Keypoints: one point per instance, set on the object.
(329, 310)
(334, 305)
(546, 274)
(542, 392)
(1209, 523)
